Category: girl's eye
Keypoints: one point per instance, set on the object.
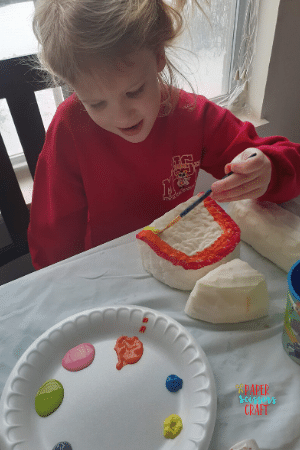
(136, 93)
(98, 105)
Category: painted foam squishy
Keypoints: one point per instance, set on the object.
(79, 357)
(201, 241)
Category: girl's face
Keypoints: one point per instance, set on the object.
(124, 100)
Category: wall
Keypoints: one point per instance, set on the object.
(267, 20)
(281, 103)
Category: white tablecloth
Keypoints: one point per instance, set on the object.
(112, 274)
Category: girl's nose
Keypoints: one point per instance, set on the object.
(123, 115)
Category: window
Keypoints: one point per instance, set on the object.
(217, 50)
(17, 39)
(215, 55)
(17, 36)
(209, 44)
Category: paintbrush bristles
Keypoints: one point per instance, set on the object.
(169, 225)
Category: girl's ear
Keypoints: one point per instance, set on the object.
(161, 60)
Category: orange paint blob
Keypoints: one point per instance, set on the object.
(129, 350)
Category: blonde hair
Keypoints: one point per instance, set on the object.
(71, 32)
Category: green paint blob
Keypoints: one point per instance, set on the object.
(49, 397)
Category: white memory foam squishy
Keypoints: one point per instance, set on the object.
(202, 240)
(269, 229)
(231, 293)
(247, 444)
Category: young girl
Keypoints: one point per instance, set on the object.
(127, 146)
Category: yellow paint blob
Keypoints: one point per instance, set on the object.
(172, 426)
(155, 230)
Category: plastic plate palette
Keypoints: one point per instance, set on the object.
(104, 407)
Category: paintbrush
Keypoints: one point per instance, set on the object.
(189, 208)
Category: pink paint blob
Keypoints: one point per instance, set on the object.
(79, 357)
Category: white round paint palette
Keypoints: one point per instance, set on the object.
(104, 407)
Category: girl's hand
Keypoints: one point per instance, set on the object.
(250, 179)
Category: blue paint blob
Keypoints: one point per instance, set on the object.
(63, 446)
(173, 383)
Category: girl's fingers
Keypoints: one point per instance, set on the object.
(250, 179)
(250, 195)
(242, 163)
(233, 181)
(248, 189)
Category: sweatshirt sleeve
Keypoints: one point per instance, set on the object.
(225, 136)
(58, 215)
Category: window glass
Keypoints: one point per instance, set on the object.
(14, 149)
(209, 41)
(8, 130)
(47, 100)
(16, 35)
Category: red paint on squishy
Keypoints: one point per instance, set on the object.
(145, 320)
(142, 329)
(129, 350)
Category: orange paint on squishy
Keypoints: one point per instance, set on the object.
(129, 350)
(224, 245)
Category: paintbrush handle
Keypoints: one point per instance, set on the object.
(203, 197)
(196, 202)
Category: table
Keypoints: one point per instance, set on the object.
(244, 353)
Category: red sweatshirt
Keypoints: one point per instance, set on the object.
(92, 186)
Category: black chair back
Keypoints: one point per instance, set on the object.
(18, 82)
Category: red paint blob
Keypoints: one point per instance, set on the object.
(145, 320)
(129, 350)
(142, 329)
